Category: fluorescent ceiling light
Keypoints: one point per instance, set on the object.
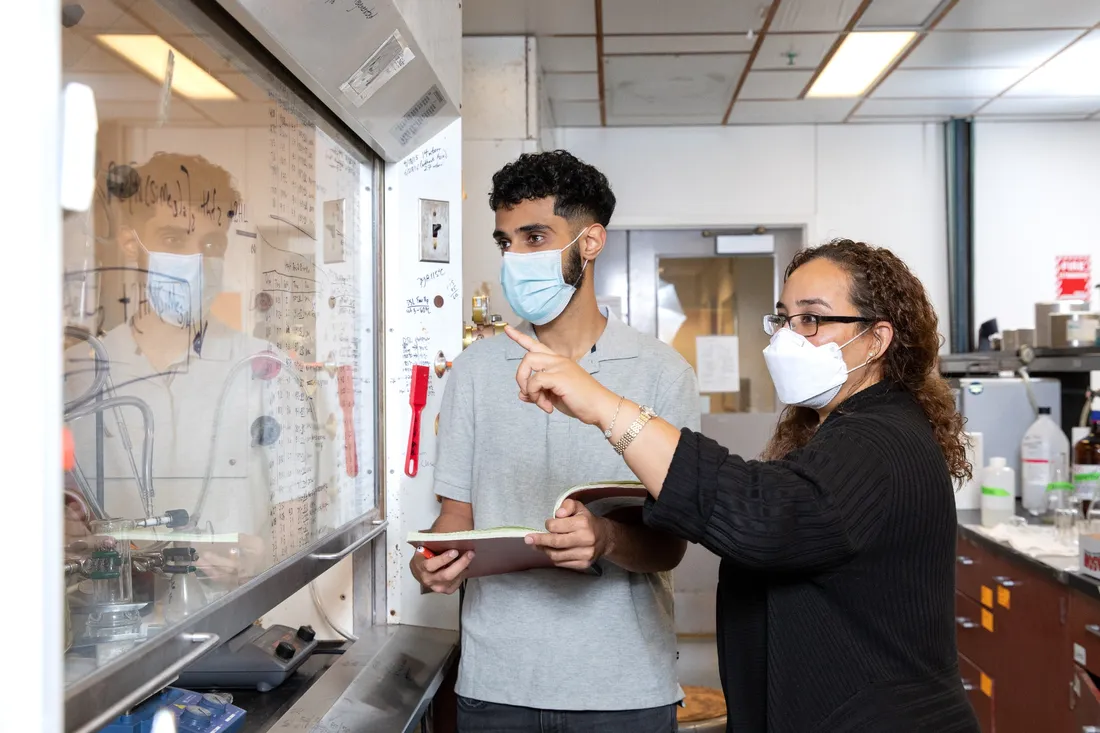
(150, 54)
(861, 59)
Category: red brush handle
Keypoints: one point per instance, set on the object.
(346, 392)
(412, 453)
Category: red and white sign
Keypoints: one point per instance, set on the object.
(1090, 554)
(1074, 276)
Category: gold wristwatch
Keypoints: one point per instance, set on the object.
(631, 433)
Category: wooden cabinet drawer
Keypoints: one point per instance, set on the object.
(975, 628)
(1084, 700)
(975, 567)
(1084, 631)
(979, 690)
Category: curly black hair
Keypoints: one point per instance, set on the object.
(579, 190)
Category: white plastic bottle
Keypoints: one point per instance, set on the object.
(1044, 444)
(998, 493)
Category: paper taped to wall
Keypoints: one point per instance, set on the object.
(718, 362)
(392, 56)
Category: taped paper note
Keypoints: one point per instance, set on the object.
(392, 56)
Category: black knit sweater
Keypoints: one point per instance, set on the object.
(836, 589)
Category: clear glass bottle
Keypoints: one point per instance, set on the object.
(186, 595)
(1059, 490)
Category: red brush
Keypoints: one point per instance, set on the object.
(345, 388)
(418, 397)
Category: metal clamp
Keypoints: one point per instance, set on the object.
(1093, 629)
(376, 530)
(1005, 581)
(963, 560)
(964, 623)
(205, 642)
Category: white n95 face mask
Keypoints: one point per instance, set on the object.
(806, 375)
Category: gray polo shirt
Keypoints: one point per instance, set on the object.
(557, 639)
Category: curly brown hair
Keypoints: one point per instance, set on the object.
(883, 288)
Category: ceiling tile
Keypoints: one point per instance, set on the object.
(157, 18)
(991, 50)
(993, 14)
(1034, 118)
(800, 111)
(919, 107)
(897, 14)
(809, 50)
(940, 83)
(775, 84)
(143, 111)
(572, 86)
(677, 44)
(1048, 106)
(73, 46)
(813, 15)
(1073, 73)
(109, 16)
(652, 86)
(236, 114)
(128, 87)
(523, 17)
(94, 58)
(682, 16)
(576, 114)
(243, 86)
(202, 53)
(674, 120)
(567, 54)
(860, 120)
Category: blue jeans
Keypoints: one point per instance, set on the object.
(477, 716)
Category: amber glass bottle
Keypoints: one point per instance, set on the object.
(1086, 468)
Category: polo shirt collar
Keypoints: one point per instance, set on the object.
(215, 343)
(618, 341)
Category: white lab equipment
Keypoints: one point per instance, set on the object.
(1043, 445)
(998, 493)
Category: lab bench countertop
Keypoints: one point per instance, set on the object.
(264, 709)
(1060, 569)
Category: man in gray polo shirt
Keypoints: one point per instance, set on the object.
(576, 649)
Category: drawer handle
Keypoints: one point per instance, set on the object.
(963, 560)
(965, 623)
(1090, 729)
(1005, 581)
(1093, 629)
(968, 686)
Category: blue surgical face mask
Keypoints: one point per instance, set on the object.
(534, 284)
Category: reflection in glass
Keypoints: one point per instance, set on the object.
(216, 383)
(709, 310)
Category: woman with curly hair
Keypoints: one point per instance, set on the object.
(836, 589)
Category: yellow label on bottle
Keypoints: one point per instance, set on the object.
(1004, 597)
(987, 596)
(987, 685)
(987, 620)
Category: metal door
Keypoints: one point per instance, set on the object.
(674, 284)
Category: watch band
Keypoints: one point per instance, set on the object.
(635, 428)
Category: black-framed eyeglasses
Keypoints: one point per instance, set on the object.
(806, 324)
